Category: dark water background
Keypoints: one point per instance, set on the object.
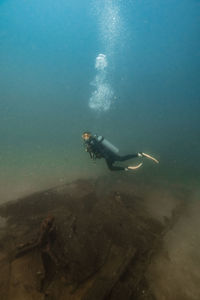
(47, 57)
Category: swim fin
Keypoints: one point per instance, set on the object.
(150, 157)
(135, 167)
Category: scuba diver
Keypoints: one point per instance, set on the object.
(99, 147)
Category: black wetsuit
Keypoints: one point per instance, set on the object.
(97, 150)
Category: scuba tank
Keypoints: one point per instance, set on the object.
(107, 144)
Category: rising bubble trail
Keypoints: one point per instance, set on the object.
(109, 25)
(102, 95)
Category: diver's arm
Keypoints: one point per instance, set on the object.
(92, 155)
(89, 150)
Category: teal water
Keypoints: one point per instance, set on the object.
(145, 97)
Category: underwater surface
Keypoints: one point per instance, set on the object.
(127, 70)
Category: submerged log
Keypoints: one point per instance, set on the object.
(97, 245)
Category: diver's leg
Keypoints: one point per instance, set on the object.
(114, 168)
(126, 157)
